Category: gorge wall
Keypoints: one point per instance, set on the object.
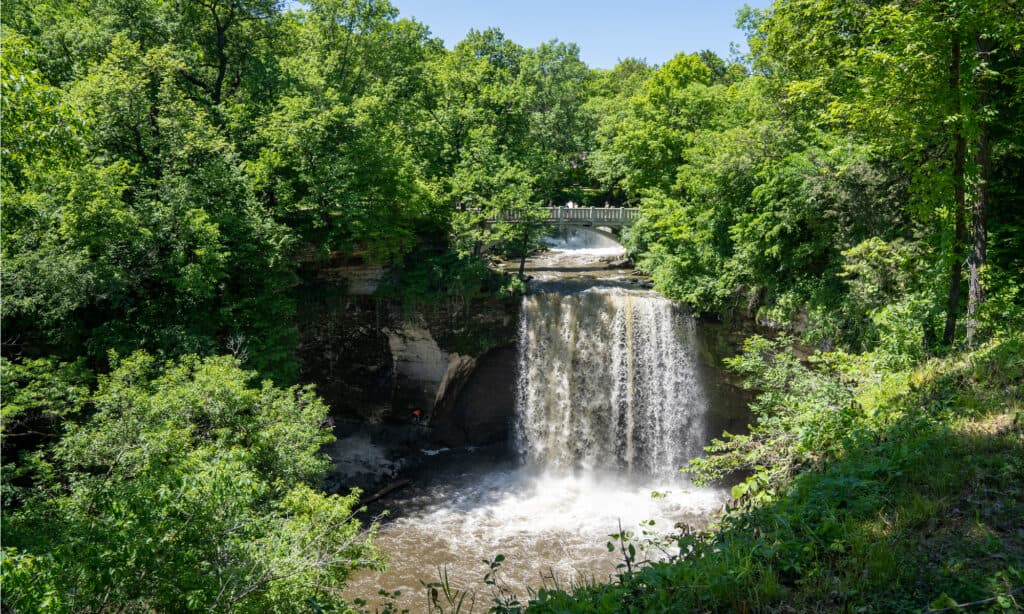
(375, 362)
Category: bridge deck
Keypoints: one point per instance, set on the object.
(614, 217)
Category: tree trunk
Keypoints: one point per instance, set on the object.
(979, 229)
(524, 250)
(960, 236)
(222, 63)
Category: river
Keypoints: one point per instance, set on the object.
(610, 403)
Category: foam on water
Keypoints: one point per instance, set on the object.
(517, 504)
(546, 524)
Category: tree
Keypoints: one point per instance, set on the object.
(333, 161)
(640, 148)
(521, 220)
(188, 488)
(912, 79)
(510, 133)
(610, 104)
(556, 84)
(141, 230)
(224, 33)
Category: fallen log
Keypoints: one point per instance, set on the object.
(383, 492)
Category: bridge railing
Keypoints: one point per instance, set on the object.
(594, 216)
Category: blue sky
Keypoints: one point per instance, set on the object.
(605, 30)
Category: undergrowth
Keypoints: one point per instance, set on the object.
(906, 494)
(433, 278)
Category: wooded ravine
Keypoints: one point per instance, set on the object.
(179, 176)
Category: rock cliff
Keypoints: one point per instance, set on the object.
(377, 361)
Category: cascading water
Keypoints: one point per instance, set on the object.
(610, 405)
(580, 242)
(608, 381)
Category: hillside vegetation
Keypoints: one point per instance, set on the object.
(904, 495)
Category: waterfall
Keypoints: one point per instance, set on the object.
(582, 241)
(608, 381)
(609, 404)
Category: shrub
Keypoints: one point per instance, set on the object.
(187, 489)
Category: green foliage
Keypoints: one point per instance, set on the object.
(38, 122)
(334, 158)
(511, 131)
(427, 279)
(802, 418)
(165, 165)
(878, 273)
(761, 194)
(166, 161)
(39, 396)
(41, 390)
(187, 488)
(916, 502)
(147, 238)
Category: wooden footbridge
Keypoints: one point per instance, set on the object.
(611, 217)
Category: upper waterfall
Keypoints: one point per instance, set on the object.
(583, 242)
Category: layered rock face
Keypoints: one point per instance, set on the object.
(375, 362)
(420, 367)
(480, 409)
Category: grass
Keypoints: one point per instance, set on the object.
(922, 510)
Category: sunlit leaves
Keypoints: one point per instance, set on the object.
(187, 483)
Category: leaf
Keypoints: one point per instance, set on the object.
(944, 601)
